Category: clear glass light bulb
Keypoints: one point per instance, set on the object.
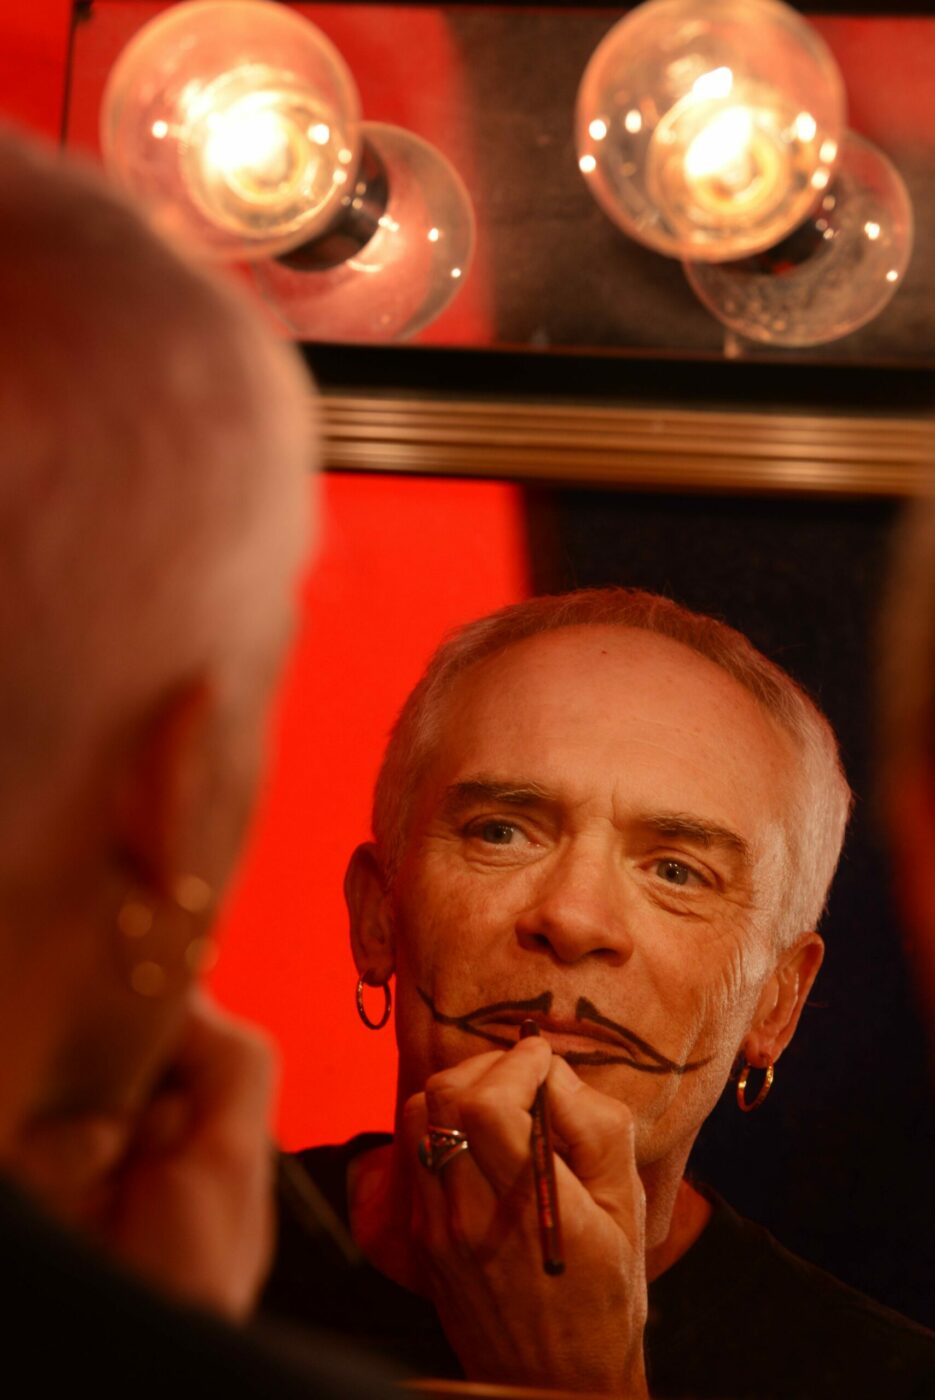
(236, 122)
(834, 273)
(708, 128)
(415, 248)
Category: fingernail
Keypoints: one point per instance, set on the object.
(529, 1028)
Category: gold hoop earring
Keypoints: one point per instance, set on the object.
(387, 1002)
(148, 975)
(764, 1087)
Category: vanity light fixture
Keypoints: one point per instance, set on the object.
(238, 124)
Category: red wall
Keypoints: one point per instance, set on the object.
(33, 63)
(401, 560)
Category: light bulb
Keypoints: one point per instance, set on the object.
(236, 122)
(708, 128)
(834, 273)
(394, 263)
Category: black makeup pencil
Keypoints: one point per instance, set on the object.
(543, 1170)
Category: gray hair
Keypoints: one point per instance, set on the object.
(154, 444)
(821, 810)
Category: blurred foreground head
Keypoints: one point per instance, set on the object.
(155, 446)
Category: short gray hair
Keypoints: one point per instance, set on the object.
(154, 441)
(824, 802)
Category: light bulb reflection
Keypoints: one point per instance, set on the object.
(257, 155)
(722, 150)
(717, 83)
(414, 241)
(702, 124)
(833, 274)
(728, 157)
(236, 122)
(250, 149)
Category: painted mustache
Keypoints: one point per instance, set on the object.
(633, 1051)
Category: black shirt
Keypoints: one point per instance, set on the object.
(736, 1317)
(74, 1324)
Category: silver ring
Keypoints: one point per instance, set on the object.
(439, 1146)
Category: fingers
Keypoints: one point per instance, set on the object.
(598, 1137)
(224, 1073)
(192, 1206)
(490, 1102)
(489, 1098)
(65, 1162)
(477, 1198)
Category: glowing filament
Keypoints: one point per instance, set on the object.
(253, 151)
(717, 83)
(722, 149)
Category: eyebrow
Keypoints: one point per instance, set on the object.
(681, 826)
(481, 789)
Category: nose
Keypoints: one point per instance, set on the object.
(579, 908)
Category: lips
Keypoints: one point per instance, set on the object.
(555, 1029)
(590, 1038)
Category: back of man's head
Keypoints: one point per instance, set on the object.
(154, 445)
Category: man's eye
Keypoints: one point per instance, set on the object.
(495, 833)
(675, 873)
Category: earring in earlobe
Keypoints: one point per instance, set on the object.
(147, 975)
(765, 1087)
(367, 980)
(135, 919)
(195, 896)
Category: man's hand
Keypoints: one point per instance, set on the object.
(183, 1195)
(191, 1209)
(477, 1227)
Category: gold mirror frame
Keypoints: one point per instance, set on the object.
(645, 449)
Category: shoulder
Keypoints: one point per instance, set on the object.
(314, 1276)
(327, 1167)
(758, 1320)
(73, 1317)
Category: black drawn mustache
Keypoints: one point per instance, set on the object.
(651, 1061)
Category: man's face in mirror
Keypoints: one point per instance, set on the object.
(600, 842)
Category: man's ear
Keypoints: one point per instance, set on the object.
(163, 791)
(373, 935)
(782, 1000)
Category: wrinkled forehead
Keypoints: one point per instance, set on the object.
(617, 714)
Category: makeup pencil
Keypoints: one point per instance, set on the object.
(543, 1170)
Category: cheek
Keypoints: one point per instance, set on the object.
(705, 993)
(434, 927)
(452, 922)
